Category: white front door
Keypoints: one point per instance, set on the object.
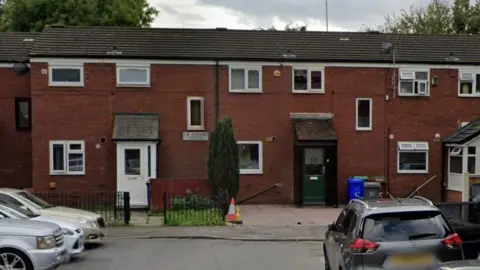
(134, 169)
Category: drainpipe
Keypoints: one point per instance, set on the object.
(444, 173)
(388, 160)
(217, 92)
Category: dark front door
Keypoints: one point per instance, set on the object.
(313, 176)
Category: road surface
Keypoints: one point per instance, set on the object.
(171, 254)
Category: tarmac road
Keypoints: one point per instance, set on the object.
(173, 254)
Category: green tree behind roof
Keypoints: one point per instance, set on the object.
(438, 17)
(34, 15)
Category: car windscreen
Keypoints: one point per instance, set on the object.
(43, 204)
(405, 226)
(18, 211)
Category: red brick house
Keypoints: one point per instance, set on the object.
(115, 107)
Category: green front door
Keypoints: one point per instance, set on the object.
(313, 176)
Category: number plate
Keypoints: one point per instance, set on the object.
(412, 260)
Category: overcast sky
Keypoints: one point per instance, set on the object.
(344, 15)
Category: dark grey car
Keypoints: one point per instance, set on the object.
(460, 265)
(390, 234)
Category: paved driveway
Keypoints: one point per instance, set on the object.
(287, 215)
(200, 255)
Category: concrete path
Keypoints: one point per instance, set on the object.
(287, 215)
(262, 215)
(240, 233)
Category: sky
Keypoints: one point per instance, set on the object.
(343, 15)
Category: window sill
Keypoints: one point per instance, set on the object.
(66, 85)
(126, 85)
(413, 95)
(454, 173)
(469, 95)
(412, 172)
(195, 128)
(308, 92)
(256, 91)
(363, 129)
(67, 174)
(250, 172)
(23, 129)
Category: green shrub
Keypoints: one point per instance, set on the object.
(192, 202)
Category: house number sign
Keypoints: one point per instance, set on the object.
(195, 136)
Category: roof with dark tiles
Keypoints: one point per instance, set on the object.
(16, 46)
(464, 134)
(314, 129)
(259, 45)
(135, 126)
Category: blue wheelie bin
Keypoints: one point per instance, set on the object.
(355, 188)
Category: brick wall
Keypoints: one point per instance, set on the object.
(86, 113)
(452, 196)
(15, 146)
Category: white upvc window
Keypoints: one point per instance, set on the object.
(195, 113)
(462, 159)
(63, 75)
(250, 155)
(412, 157)
(245, 79)
(133, 76)
(67, 157)
(308, 80)
(414, 83)
(468, 84)
(363, 114)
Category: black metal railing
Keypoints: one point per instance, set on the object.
(114, 207)
(192, 210)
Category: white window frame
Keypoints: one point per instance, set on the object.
(413, 147)
(457, 151)
(463, 76)
(190, 126)
(260, 158)
(133, 84)
(410, 74)
(369, 128)
(246, 90)
(51, 67)
(467, 155)
(66, 152)
(309, 81)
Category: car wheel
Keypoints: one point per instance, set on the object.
(325, 258)
(14, 259)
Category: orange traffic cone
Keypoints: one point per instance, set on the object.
(233, 215)
(231, 211)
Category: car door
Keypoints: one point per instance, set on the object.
(332, 237)
(340, 238)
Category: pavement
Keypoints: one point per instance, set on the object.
(175, 254)
(240, 233)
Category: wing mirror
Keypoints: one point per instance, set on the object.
(331, 226)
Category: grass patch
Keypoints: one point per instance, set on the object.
(208, 217)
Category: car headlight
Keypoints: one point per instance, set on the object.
(66, 231)
(86, 221)
(45, 242)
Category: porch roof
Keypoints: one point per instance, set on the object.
(313, 126)
(465, 134)
(135, 127)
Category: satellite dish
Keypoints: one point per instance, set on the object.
(21, 69)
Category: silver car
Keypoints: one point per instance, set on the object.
(30, 245)
(394, 233)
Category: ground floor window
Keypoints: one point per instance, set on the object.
(412, 157)
(67, 157)
(456, 159)
(251, 157)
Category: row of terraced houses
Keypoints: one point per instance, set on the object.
(106, 109)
